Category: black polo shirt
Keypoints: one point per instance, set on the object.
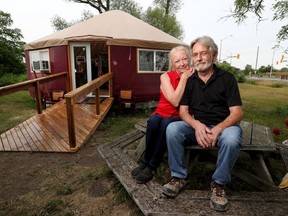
(210, 102)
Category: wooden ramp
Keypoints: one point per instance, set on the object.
(121, 156)
(48, 132)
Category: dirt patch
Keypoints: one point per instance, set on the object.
(61, 184)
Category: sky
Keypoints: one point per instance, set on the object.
(253, 41)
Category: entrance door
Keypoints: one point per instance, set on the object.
(80, 63)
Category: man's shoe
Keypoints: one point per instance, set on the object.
(218, 200)
(145, 175)
(137, 170)
(173, 188)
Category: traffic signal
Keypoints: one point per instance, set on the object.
(238, 56)
(282, 58)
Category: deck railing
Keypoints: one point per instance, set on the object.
(75, 95)
(36, 84)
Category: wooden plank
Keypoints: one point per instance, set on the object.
(284, 154)
(58, 123)
(262, 136)
(59, 117)
(39, 134)
(141, 126)
(261, 168)
(122, 172)
(49, 129)
(29, 143)
(47, 139)
(254, 180)
(20, 140)
(247, 130)
(13, 146)
(5, 142)
(23, 139)
(131, 136)
(84, 120)
(140, 149)
(29, 137)
(1, 144)
(19, 146)
(32, 133)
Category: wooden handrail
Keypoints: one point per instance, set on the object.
(35, 83)
(76, 94)
(71, 97)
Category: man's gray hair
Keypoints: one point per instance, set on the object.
(206, 41)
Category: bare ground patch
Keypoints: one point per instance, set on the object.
(61, 184)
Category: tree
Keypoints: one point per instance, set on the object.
(129, 6)
(162, 16)
(248, 70)
(264, 69)
(11, 47)
(58, 23)
(101, 6)
(228, 67)
(280, 12)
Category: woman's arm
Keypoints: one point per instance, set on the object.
(174, 96)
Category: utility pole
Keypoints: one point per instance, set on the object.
(272, 63)
(257, 58)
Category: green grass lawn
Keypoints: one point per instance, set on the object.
(266, 105)
(15, 108)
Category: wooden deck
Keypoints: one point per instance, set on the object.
(48, 132)
(122, 154)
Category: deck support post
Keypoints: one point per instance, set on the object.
(38, 97)
(70, 123)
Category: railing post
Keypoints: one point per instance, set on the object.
(110, 86)
(97, 99)
(70, 122)
(38, 97)
(67, 83)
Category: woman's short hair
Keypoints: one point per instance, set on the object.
(176, 49)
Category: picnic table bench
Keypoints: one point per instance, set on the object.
(122, 154)
(258, 145)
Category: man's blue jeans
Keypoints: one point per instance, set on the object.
(179, 134)
(156, 139)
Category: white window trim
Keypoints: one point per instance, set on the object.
(154, 60)
(43, 57)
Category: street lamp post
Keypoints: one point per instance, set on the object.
(271, 70)
(220, 49)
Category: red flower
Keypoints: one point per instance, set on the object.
(276, 131)
(286, 122)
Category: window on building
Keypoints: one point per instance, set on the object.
(152, 61)
(39, 60)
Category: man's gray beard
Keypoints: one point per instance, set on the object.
(203, 69)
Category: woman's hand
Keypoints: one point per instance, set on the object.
(186, 72)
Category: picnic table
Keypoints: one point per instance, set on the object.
(122, 154)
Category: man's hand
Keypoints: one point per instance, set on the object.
(203, 135)
(213, 136)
